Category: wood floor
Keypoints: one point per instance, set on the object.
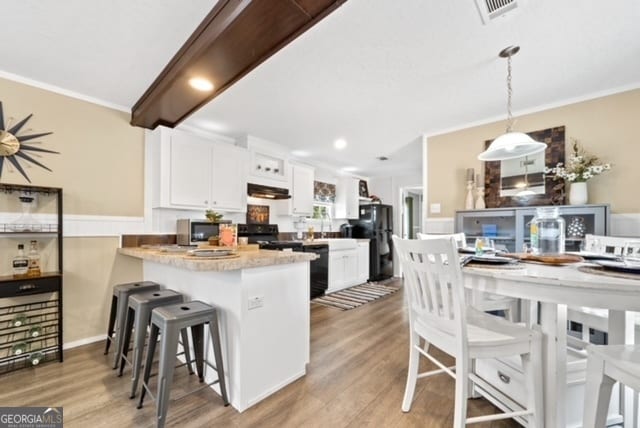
(356, 378)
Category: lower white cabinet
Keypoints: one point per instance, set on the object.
(343, 269)
(507, 377)
(363, 261)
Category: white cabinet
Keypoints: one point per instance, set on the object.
(193, 172)
(347, 198)
(228, 178)
(363, 261)
(343, 269)
(302, 190)
(189, 160)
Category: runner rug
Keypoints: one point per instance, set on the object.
(353, 297)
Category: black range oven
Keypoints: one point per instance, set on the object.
(266, 235)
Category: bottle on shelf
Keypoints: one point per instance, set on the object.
(20, 263)
(34, 260)
(36, 357)
(35, 331)
(19, 320)
(19, 348)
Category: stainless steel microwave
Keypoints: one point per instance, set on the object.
(194, 232)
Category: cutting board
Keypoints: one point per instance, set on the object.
(556, 259)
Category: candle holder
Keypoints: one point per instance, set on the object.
(480, 198)
(468, 203)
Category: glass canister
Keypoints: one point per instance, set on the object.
(547, 231)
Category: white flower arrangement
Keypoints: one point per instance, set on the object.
(580, 168)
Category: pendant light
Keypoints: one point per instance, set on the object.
(511, 145)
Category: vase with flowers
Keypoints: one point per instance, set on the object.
(580, 168)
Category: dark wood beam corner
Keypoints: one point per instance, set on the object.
(233, 39)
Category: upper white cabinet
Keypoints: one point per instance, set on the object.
(192, 172)
(229, 178)
(302, 190)
(347, 198)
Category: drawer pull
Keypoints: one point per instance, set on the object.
(503, 377)
(27, 287)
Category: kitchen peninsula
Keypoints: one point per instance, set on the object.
(263, 297)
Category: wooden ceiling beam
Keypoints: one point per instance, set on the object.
(233, 39)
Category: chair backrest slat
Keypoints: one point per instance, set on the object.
(433, 282)
(605, 244)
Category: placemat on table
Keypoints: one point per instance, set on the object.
(599, 270)
(556, 259)
(505, 266)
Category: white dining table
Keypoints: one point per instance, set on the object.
(555, 288)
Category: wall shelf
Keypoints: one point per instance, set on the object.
(31, 307)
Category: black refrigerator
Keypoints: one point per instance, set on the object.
(376, 224)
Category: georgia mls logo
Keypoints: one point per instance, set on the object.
(31, 417)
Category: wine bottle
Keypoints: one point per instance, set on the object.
(20, 263)
(19, 348)
(34, 260)
(36, 357)
(19, 320)
(35, 331)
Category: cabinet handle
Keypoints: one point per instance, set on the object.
(206, 202)
(215, 202)
(503, 377)
(27, 287)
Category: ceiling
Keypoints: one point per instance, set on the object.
(373, 73)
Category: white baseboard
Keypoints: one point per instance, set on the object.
(84, 341)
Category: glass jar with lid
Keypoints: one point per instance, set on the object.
(547, 231)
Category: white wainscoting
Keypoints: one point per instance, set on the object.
(86, 225)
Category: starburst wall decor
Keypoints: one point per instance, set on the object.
(14, 148)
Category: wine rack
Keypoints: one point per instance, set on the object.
(26, 331)
(31, 307)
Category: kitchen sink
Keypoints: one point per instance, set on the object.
(338, 243)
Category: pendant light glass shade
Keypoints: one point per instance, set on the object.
(511, 145)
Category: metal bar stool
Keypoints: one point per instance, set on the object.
(138, 319)
(119, 301)
(170, 320)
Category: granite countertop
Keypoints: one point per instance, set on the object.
(245, 259)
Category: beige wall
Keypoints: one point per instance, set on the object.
(101, 160)
(100, 168)
(608, 127)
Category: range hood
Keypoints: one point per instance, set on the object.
(267, 192)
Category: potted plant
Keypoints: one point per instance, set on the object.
(213, 216)
(581, 167)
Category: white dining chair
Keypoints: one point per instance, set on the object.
(486, 302)
(606, 365)
(438, 314)
(593, 318)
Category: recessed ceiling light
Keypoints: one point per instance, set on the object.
(350, 168)
(382, 158)
(340, 143)
(201, 84)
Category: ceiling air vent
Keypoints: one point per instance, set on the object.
(492, 9)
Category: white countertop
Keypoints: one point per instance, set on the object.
(245, 259)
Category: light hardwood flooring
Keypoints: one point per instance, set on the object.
(356, 378)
